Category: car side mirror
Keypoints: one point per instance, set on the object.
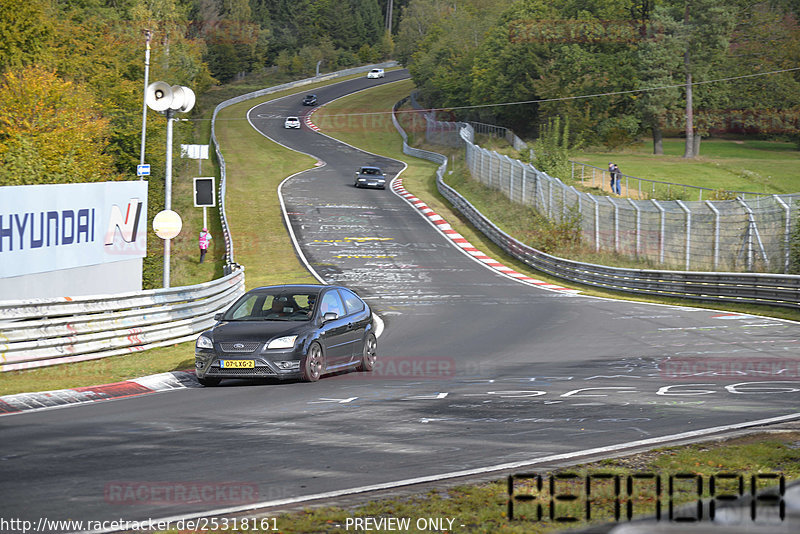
(330, 316)
(218, 316)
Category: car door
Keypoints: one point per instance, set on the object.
(335, 335)
(357, 324)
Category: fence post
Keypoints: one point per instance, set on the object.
(524, 182)
(752, 230)
(688, 230)
(616, 224)
(638, 225)
(788, 232)
(716, 232)
(596, 223)
(661, 232)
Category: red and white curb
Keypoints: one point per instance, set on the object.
(456, 238)
(461, 242)
(44, 400)
(308, 122)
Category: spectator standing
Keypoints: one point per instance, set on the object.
(611, 174)
(204, 240)
(615, 181)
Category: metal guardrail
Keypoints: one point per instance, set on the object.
(42, 332)
(751, 288)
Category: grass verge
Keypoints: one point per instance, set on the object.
(755, 166)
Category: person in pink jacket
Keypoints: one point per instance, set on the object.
(205, 238)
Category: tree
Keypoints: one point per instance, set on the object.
(705, 32)
(51, 131)
(658, 63)
(25, 31)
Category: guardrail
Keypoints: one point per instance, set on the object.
(753, 288)
(42, 332)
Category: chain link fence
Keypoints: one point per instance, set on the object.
(729, 235)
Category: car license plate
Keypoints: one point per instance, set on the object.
(237, 364)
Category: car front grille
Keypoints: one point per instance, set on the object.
(259, 370)
(242, 347)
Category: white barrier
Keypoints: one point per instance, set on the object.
(42, 332)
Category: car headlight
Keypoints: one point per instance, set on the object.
(285, 342)
(204, 343)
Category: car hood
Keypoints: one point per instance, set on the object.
(256, 330)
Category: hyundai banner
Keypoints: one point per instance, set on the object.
(47, 228)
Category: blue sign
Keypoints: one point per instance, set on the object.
(143, 170)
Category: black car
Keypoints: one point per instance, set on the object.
(289, 331)
(370, 177)
(310, 100)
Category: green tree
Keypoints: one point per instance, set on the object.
(51, 131)
(25, 32)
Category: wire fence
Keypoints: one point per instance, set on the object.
(752, 234)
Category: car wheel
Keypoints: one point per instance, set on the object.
(209, 382)
(313, 364)
(369, 355)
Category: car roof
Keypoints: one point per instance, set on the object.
(292, 118)
(298, 287)
(370, 167)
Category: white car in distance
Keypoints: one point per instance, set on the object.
(375, 73)
(291, 122)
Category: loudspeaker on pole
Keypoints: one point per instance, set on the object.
(158, 96)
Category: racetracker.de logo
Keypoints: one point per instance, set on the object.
(171, 493)
(730, 368)
(408, 368)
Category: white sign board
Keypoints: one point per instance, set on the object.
(194, 151)
(143, 169)
(47, 228)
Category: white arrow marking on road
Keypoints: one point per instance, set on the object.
(574, 391)
(340, 401)
(428, 397)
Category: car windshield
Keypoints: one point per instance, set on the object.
(284, 306)
(370, 170)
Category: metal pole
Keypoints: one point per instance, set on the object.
(638, 225)
(788, 232)
(688, 230)
(616, 224)
(661, 233)
(148, 34)
(596, 223)
(716, 232)
(168, 192)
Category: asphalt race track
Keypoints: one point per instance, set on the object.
(475, 370)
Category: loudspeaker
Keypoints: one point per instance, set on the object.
(182, 98)
(158, 96)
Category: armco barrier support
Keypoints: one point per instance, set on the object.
(751, 288)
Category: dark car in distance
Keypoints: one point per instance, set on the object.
(368, 176)
(310, 100)
(288, 332)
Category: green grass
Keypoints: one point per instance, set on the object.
(482, 507)
(735, 165)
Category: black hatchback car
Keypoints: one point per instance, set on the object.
(310, 100)
(289, 331)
